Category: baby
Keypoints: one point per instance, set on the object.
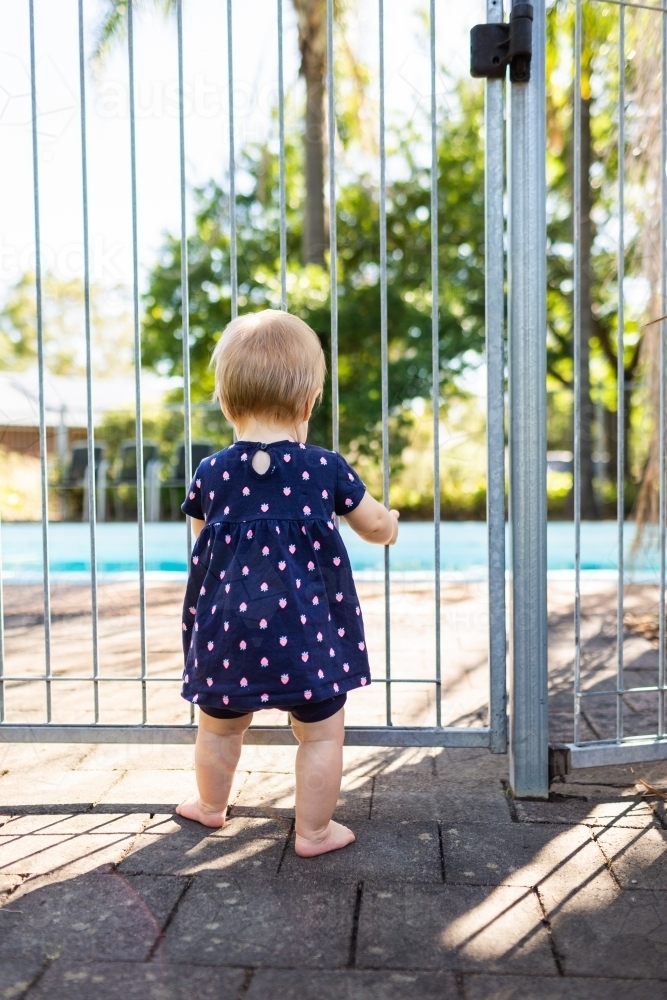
(271, 618)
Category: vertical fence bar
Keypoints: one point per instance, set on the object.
(527, 435)
(620, 372)
(91, 470)
(43, 454)
(233, 263)
(435, 362)
(185, 289)
(576, 326)
(333, 260)
(384, 358)
(281, 163)
(495, 414)
(663, 369)
(139, 434)
(2, 637)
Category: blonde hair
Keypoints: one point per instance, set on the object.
(268, 363)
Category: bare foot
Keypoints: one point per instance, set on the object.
(337, 836)
(192, 809)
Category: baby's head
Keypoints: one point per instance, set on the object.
(268, 365)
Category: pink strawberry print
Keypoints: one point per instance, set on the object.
(242, 644)
(212, 461)
(292, 549)
(192, 610)
(264, 507)
(319, 637)
(196, 626)
(307, 695)
(332, 652)
(324, 494)
(320, 674)
(330, 525)
(245, 491)
(185, 627)
(341, 632)
(358, 609)
(195, 698)
(243, 606)
(304, 657)
(225, 700)
(264, 697)
(244, 682)
(226, 626)
(303, 619)
(225, 664)
(191, 496)
(264, 662)
(323, 460)
(187, 678)
(248, 533)
(302, 446)
(350, 477)
(305, 475)
(283, 602)
(311, 565)
(245, 570)
(195, 559)
(209, 681)
(265, 550)
(287, 458)
(209, 645)
(203, 590)
(228, 538)
(346, 668)
(198, 483)
(227, 587)
(336, 688)
(263, 623)
(244, 457)
(316, 599)
(316, 546)
(303, 529)
(339, 597)
(284, 678)
(362, 646)
(286, 491)
(264, 587)
(277, 530)
(226, 511)
(306, 510)
(211, 494)
(225, 475)
(348, 502)
(282, 564)
(298, 583)
(363, 682)
(336, 561)
(283, 640)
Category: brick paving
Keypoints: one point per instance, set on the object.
(452, 889)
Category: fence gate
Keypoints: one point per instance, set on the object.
(38, 677)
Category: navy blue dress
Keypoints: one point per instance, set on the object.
(271, 617)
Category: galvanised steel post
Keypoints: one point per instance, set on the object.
(527, 430)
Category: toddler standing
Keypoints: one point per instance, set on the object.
(271, 617)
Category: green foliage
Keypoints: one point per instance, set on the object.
(461, 292)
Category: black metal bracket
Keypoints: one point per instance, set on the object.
(560, 763)
(494, 47)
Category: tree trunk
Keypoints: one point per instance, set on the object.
(312, 45)
(589, 505)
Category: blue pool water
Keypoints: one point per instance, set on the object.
(463, 549)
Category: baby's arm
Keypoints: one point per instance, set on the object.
(197, 525)
(373, 522)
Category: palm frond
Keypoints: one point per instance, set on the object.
(113, 25)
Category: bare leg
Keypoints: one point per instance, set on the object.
(319, 769)
(217, 753)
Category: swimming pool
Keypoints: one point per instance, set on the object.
(463, 551)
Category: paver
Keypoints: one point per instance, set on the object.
(570, 988)
(638, 857)
(131, 981)
(401, 851)
(93, 822)
(610, 932)
(352, 984)
(259, 922)
(478, 854)
(440, 803)
(87, 917)
(454, 927)
(590, 805)
(178, 846)
(17, 974)
(47, 788)
(38, 854)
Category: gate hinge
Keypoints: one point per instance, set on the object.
(560, 763)
(494, 47)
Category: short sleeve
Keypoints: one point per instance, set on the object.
(193, 504)
(349, 488)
